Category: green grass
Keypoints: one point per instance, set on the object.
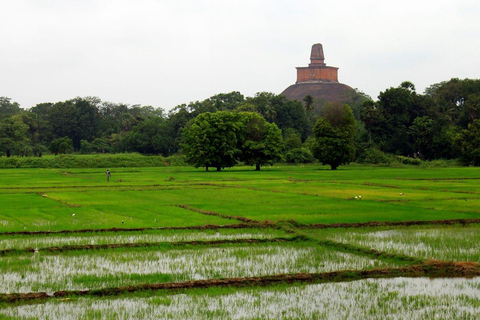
(145, 197)
(32, 212)
(44, 199)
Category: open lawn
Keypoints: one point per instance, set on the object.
(288, 242)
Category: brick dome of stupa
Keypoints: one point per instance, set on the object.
(320, 81)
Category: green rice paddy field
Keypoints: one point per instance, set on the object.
(288, 242)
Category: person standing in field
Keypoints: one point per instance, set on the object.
(108, 175)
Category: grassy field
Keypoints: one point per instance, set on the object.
(72, 241)
(46, 199)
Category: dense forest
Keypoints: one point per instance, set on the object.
(441, 123)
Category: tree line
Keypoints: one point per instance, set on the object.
(89, 125)
(433, 125)
(441, 123)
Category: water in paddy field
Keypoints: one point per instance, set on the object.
(399, 298)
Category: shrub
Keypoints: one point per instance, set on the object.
(373, 155)
(293, 142)
(85, 147)
(86, 161)
(441, 163)
(177, 160)
(62, 145)
(409, 160)
(299, 155)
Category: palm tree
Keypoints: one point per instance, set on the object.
(270, 113)
(308, 104)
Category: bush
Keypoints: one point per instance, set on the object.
(299, 155)
(63, 145)
(373, 155)
(441, 163)
(86, 161)
(177, 160)
(85, 147)
(293, 142)
(409, 160)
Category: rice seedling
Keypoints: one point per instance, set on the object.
(458, 243)
(151, 236)
(74, 199)
(88, 270)
(400, 298)
(47, 198)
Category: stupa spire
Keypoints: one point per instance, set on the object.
(317, 70)
(317, 57)
(319, 81)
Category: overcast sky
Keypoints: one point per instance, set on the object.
(167, 52)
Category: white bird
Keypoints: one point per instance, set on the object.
(401, 194)
(73, 214)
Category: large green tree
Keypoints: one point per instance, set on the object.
(13, 135)
(213, 140)
(227, 101)
(334, 133)
(77, 119)
(430, 139)
(457, 100)
(150, 137)
(8, 108)
(468, 144)
(62, 145)
(388, 120)
(284, 113)
(261, 141)
(423, 132)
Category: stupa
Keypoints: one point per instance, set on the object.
(319, 81)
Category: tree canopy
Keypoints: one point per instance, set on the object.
(213, 140)
(8, 108)
(468, 144)
(13, 136)
(401, 122)
(223, 138)
(406, 123)
(262, 141)
(334, 133)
